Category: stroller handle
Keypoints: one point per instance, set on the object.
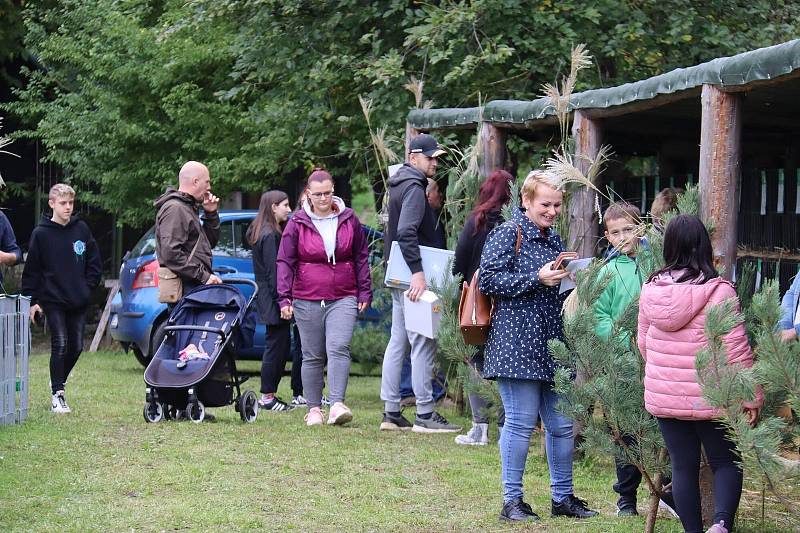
(216, 331)
(243, 281)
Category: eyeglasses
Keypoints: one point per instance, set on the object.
(324, 194)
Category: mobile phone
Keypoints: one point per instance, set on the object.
(563, 260)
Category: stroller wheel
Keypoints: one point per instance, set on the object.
(171, 412)
(153, 412)
(196, 412)
(247, 405)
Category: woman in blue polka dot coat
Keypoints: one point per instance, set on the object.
(527, 315)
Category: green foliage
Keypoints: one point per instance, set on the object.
(368, 345)
(609, 379)
(129, 90)
(777, 367)
(729, 387)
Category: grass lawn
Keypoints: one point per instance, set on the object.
(103, 468)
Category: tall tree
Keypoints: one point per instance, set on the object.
(257, 89)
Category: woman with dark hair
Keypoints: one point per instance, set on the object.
(672, 316)
(493, 194)
(324, 281)
(264, 235)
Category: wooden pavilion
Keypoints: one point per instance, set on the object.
(732, 124)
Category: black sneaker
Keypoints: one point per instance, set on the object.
(626, 507)
(275, 404)
(518, 511)
(395, 423)
(572, 507)
(435, 424)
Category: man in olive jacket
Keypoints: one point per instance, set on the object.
(179, 226)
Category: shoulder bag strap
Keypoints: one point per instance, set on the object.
(194, 249)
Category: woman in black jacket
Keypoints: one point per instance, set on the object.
(492, 196)
(264, 235)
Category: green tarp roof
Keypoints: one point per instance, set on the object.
(762, 64)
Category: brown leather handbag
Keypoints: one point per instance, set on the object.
(475, 309)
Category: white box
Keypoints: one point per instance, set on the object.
(424, 315)
(436, 263)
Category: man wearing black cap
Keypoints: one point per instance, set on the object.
(412, 223)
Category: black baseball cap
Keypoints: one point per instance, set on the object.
(425, 144)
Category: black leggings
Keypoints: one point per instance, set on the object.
(276, 348)
(66, 343)
(683, 439)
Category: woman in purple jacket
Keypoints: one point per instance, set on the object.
(324, 281)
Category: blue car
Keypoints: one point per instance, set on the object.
(138, 320)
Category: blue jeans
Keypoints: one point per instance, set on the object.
(524, 401)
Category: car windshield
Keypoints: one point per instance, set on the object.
(146, 245)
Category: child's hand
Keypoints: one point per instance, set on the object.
(35, 310)
(752, 415)
(788, 335)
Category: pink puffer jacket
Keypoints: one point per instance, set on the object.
(672, 318)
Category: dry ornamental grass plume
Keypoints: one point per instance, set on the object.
(560, 97)
(5, 141)
(414, 86)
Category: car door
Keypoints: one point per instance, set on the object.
(233, 259)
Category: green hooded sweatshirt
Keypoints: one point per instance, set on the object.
(626, 282)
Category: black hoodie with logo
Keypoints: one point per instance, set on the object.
(63, 265)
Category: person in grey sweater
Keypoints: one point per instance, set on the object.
(412, 223)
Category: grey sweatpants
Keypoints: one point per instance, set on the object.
(325, 328)
(423, 351)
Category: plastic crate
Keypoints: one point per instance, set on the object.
(15, 340)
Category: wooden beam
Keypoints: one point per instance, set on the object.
(757, 84)
(101, 327)
(411, 132)
(583, 230)
(720, 171)
(493, 148)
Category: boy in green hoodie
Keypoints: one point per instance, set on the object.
(623, 231)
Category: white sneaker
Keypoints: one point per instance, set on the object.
(299, 401)
(477, 436)
(58, 404)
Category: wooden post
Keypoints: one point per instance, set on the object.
(112, 284)
(411, 132)
(583, 231)
(493, 148)
(720, 171)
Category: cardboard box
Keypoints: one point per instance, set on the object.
(424, 315)
(436, 263)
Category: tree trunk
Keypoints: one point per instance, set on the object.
(706, 491)
(720, 171)
(493, 148)
(583, 231)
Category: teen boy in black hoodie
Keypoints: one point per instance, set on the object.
(62, 268)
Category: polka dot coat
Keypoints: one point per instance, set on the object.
(527, 313)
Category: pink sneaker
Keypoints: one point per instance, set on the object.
(315, 417)
(340, 414)
(718, 528)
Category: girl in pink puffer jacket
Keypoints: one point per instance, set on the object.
(672, 315)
